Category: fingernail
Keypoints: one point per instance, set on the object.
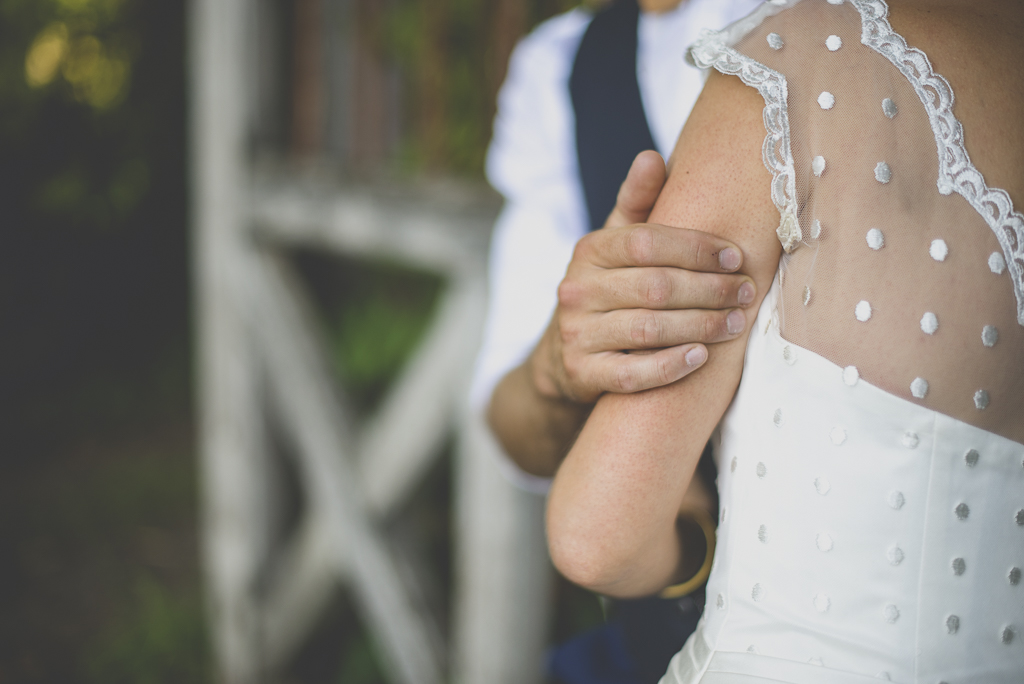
(734, 322)
(746, 293)
(696, 356)
(729, 258)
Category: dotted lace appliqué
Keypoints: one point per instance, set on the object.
(956, 172)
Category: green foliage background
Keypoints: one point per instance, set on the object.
(471, 74)
(98, 553)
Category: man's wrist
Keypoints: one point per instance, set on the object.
(535, 430)
(547, 375)
(541, 382)
(564, 413)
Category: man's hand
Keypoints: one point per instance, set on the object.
(639, 301)
(636, 307)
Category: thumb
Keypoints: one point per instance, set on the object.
(639, 191)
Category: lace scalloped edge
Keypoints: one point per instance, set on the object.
(711, 51)
(956, 172)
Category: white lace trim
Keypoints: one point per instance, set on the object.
(956, 172)
(711, 50)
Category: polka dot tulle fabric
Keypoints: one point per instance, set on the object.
(890, 276)
(871, 462)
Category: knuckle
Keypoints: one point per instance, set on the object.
(584, 249)
(640, 245)
(626, 379)
(584, 245)
(719, 291)
(655, 287)
(708, 327)
(568, 333)
(571, 367)
(698, 250)
(570, 293)
(663, 370)
(644, 330)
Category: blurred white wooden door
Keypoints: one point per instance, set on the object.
(258, 354)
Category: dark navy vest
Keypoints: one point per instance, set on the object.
(611, 127)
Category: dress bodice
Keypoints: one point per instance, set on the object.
(861, 536)
(871, 474)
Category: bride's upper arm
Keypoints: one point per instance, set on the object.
(717, 180)
(615, 498)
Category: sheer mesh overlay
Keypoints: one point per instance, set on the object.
(902, 266)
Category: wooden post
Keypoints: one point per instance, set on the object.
(504, 577)
(371, 102)
(308, 79)
(431, 80)
(232, 470)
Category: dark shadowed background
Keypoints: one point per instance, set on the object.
(98, 556)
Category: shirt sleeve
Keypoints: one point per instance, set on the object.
(532, 163)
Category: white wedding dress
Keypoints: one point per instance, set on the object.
(871, 471)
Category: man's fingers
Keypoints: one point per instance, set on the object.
(639, 191)
(650, 244)
(639, 329)
(658, 288)
(626, 373)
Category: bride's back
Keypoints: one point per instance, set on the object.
(871, 512)
(977, 46)
(905, 260)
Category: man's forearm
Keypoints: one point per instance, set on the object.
(536, 430)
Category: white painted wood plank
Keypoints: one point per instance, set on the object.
(434, 236)
(309, 409)
(232, 467)
(503, 574)
(309, 571)
(419, 412)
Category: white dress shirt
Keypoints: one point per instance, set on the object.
(532, 162)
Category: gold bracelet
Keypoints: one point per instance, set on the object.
(707, 526)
